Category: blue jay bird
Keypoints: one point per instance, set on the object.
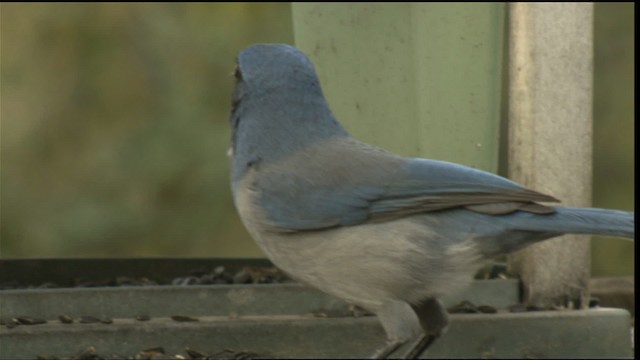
(388, 233)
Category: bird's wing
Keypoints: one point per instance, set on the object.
(330, 187)
(431, 185)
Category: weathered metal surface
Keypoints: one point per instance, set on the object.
(280, 320)
(601, 333)
(211, 300)
(618, 292)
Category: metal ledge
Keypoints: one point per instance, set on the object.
(210, 300)
(269, 319)
(601, 333)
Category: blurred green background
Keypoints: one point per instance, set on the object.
(114, 127)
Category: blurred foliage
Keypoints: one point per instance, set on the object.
(114, 126)
(614, 140)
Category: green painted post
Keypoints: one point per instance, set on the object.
(418, 79)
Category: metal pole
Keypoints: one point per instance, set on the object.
(550, 136)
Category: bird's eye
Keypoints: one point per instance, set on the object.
(236, 73)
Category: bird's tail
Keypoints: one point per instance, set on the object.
(521, 229)
(591, 221)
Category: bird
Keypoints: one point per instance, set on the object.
(388, 233)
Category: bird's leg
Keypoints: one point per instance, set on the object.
(401, 324)
(395, 348)
(434, 320)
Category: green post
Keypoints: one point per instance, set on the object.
(417, 79)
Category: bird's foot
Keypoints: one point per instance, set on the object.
(420, 346)
(388, 349)
(403, 349)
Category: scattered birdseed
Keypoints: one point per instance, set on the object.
(181, 318)
(464, 307)
(65, 319)
(487, 309)
(26, 320)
